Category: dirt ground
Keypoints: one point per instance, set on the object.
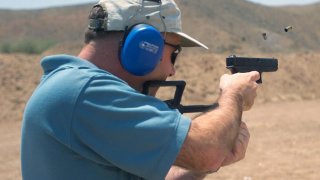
(284, 144)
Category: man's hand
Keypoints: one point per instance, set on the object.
(178, 173)
(240, 146)
(243, 85)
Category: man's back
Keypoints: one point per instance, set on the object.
(71, 131)
(46, 151)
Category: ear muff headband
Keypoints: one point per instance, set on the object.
(141, 50)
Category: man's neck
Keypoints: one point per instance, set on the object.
(105, 56)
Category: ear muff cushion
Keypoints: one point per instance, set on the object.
(142, 49)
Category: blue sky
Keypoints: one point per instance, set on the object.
(35, 4)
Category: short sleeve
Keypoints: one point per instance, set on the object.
(114, 125)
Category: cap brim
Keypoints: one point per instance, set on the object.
(188, 41)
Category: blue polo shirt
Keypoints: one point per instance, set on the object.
(83, 123)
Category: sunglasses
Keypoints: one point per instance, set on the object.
(175, 53)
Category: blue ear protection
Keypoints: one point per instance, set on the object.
(141, 49)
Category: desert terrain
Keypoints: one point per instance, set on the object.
(284, 122)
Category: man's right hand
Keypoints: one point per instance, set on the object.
(243, 85)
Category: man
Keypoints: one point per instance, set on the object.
(88, 119)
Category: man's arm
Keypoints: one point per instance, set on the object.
(218, 137)
(178, 173)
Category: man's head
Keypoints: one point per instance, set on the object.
(115, 18)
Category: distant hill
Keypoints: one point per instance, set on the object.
(61, 25)
(238, 25)
(225, 26)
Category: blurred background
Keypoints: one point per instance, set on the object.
(284, 123)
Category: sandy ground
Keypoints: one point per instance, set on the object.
(284, 144)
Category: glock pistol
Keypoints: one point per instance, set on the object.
(247, 64)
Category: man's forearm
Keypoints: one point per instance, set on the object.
(212, 135)
(230, 112)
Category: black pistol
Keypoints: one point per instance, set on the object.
(247, 64)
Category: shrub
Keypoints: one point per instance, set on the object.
(6, 48)
(27, 46)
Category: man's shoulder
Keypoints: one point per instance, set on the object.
(71, 75)
(54, 62)
(72, 68)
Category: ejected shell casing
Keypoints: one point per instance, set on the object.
(288, 28)
(264, 35)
